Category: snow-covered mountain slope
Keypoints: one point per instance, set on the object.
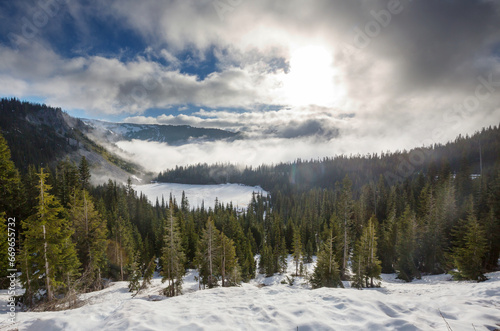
(395, 306)
(171, 134)
(239, 195)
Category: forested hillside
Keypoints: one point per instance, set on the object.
(478, 153)
(41, 135)
(443, 217)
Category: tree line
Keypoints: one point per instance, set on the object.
(74, 237)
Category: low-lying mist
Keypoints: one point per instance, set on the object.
(154, 156)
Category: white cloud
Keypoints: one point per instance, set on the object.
(410, 84)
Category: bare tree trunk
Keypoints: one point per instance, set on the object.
(47, 274)
(223, 261)
(121, 261)
(210, 256)
(331, 252)
(87, 229)
(116, 244)
(172, 252)
(28, 281)
(344, 260)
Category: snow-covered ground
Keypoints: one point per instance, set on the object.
(276, 306)
(239, 195)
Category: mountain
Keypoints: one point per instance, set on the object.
(171, 134)
(42, 136)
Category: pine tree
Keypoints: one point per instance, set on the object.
(229, 268)
(67, 181)
(432, 234)
(139, 270)
(366, 265)
(90, 237)
(135, 275)
(388, 237)
(149, 272)
(208, 253)
(297, 250)
(190, 240)
(10, 184)
(470, 250)
(47, 242)
(173, 257)
(10, 203)
(4, 252)
(406, 247)
(281, 256)
(248, 265)
(326, 272)
(345, 212)
(122, 246)
(266, 262)
(84, 171)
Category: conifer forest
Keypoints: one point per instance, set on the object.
(430, 210)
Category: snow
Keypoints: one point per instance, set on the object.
(267, 304)
(239, 195)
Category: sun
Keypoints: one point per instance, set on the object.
(311, 79)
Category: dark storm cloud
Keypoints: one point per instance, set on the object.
(440, 43)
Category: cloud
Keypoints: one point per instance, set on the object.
(107, 85)
(405, 72)
(151, 155)
(319, 122)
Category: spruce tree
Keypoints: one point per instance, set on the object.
(10, 204)
(266, 262)
(122, 246)
(345, 213)
(229, 268)
(90, 236)
(207, 255)
(281, 256)
(67, 181)
(470, 250)
(47, 242)
(366, 265)
(248, 266)
(406, 247)
(297, 250)
(432, 234)
(84, 171)
(4, 252)
(173, 257)
(326, 272)
(135, 275)
(10, 184)
(388, 235)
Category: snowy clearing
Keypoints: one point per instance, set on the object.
(267, 304)
(239, 195)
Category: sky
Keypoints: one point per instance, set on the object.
(301, 79)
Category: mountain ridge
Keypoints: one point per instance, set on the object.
(171, 134)
(41, 135)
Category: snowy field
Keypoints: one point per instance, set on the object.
(240, 195)
(267, 304)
